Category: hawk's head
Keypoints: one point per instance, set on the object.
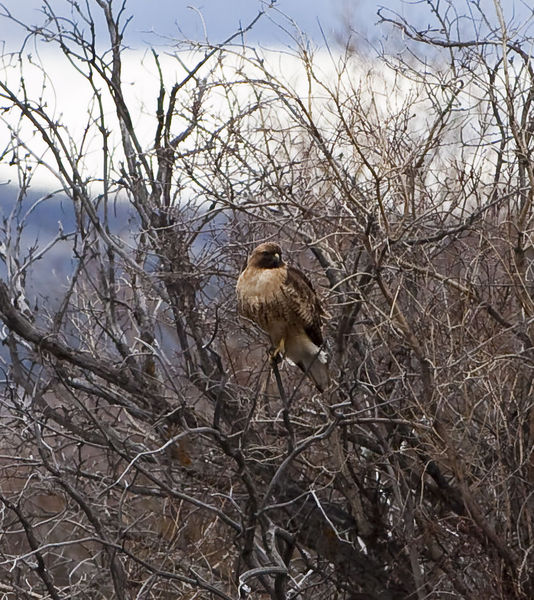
(266, 256)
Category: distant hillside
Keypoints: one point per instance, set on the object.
(33, 224)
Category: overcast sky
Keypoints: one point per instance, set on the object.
(187, 18)
(190, 19)
(172, 20)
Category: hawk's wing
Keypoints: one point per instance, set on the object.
(303, 300)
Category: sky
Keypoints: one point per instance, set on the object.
(219, 18)
(162, 22)
(158, 22)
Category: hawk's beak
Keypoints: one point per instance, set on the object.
(277, 257)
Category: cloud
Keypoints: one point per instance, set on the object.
(76, 111)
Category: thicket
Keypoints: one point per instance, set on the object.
(146, 449)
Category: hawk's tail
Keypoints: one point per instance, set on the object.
(310, 358)
(316, 367)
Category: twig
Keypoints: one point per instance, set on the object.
(285, 412)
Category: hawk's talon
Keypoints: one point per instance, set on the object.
(275, 357)
(278, 352)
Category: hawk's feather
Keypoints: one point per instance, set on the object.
(303, 299)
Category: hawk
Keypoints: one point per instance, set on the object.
(281, 300)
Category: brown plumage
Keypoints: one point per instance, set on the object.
(282, 301)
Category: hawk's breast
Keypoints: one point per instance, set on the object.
(260, 296)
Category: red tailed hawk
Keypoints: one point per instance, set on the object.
(281, 300)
